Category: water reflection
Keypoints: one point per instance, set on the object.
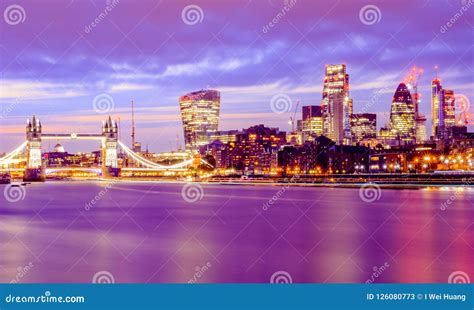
(146, 232)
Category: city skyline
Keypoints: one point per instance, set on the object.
(66, 104)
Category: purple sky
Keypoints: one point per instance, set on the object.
(54, 63)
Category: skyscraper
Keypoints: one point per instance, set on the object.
(200, 116)
(402, 115)
(364, 126)
(436, 102)
(312, 123)
(442, 109)
(336, 104)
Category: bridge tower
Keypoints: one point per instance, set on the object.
(109, 148)
(34, 168)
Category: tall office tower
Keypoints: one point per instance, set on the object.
(402, 115)
(336, 104)
(364, 126)
(312, 123)
(200, 116)
(443, 110)
(449, 109)
(437, 99)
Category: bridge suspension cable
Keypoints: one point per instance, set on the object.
(149, 164)
(5, 159)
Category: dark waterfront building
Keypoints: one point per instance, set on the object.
(348, 159)
(309, 158)
(254, 150)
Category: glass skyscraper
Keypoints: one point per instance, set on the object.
(402, 116)
(442, 110)
(336, 104)
(200, 116)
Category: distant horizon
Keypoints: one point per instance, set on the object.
(147, 53)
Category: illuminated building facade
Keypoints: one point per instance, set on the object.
(312, 123)
(200, 116)
(336, 104)
(255, 150)
(443, 111)
(402, 116)
(364, 126)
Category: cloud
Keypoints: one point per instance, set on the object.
(34, 90)
(128, 87)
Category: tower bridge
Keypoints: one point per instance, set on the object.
(35, 170)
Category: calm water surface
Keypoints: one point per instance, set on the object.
(147, 232)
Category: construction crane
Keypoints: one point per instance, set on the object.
(411, 80)
(293, 118)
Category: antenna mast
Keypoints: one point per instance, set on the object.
(133, 125)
